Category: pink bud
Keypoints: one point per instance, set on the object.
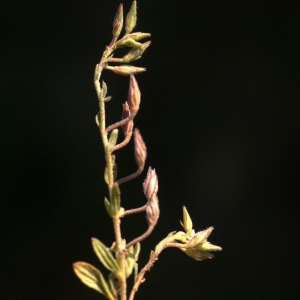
(140, 150)
(134, 95)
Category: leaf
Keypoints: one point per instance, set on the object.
(105, 257)
(112, 140)
(114, 285)
(107, 206)
(187, 221)
(108, 98)
(115, 169)
(98, 119)
(115, 200)
(130, 261)
(92, 277)
(104, 89)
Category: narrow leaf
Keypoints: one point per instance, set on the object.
(98, 119)
(107, 206)
(115, 200)
(112, 140)
(104, 89)
(105, 256)
(92, 277)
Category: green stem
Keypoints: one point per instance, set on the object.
(108, 156)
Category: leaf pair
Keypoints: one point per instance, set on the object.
(92, 277)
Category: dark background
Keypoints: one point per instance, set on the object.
(219, 115)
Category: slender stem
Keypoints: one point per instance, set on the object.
(131, 176)
(124, 143)
(141, 237)
(134, 210)
(121, 253)
(109, 164)
(120, 123)
(140, 277)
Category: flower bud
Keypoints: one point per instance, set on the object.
(187, 223)
(150, 185)
(118, 22)
(152, 211)
(201, 237)
(131, 18)
(140, 150)
(138, 35)
(136, 53)
(134, 95)
(125, 70)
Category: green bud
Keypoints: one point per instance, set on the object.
(118, 22)
(207, 246)
(135, 53)
(187, 221)
(138, 35)
(125, 70)
(131, 18)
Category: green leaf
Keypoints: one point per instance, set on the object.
(92, 277)
(130, 260)
(105, 257)
(113, 285)
(115, 201)
(115, 169)
(107, 206)
(112, 140)
(106, 99)
(136, 270)
(187, 223)
(98, 119)
(104, 89)
(137, 251)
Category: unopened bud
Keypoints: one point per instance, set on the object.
(201, 237)
(138, 35)
(134, 95)
(150, 185)
(140, 150)
(152, 211)
(136, 53)
(131, 18)
(125, 70)
(187, 223)
(118, 22)
(125, 114)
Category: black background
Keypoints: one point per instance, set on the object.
(219, 115)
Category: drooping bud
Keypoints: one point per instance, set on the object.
(118, 22)
(125, 114)
(125, 70)
(140, 150)
(131, 18)
(152, 211)
(150, 185)
(134, 95)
